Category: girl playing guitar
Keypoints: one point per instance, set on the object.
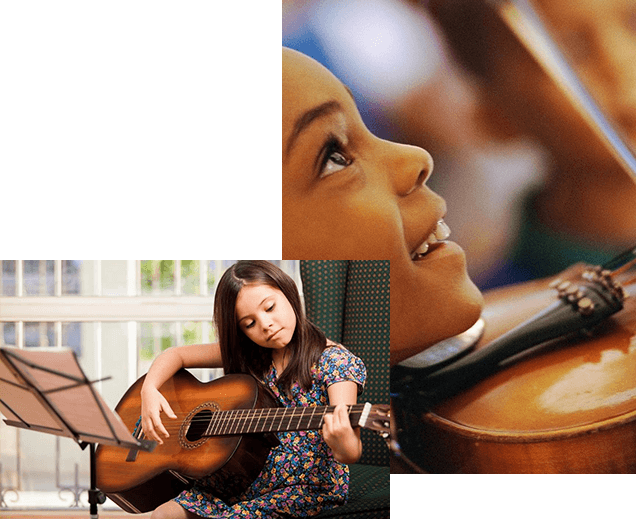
(262, 330)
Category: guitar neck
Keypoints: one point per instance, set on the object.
(278, 419)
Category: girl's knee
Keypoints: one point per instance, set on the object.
(169, 510)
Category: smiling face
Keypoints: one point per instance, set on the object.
(265, 315)
(349, 195)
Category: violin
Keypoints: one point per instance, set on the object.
(546, 382)
(565, 405)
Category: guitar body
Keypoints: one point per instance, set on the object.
(140, 481)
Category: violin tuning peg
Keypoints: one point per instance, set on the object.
(555, 283)
(585, 306)
(562, 288)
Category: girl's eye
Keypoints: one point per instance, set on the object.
(334, 159)
(253, 323)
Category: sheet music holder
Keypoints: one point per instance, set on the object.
(45, 390)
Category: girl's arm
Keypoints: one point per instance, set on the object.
(343, 440)
(164, 367)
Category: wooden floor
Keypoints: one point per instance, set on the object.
(68, 514)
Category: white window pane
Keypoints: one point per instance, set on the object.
(39, 277)
(7, 334)
(95, 278)
(7, 278)
(38, 335)
(114, 362)
(71, 278)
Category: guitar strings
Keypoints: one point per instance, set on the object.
(256, 415)
(288, 413)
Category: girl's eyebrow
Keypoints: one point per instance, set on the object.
(309, 117)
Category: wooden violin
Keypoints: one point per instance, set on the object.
(567, 405)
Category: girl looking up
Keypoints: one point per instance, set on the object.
(348, 194)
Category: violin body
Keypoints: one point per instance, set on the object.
(566, 406)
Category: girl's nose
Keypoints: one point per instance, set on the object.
(413, 166)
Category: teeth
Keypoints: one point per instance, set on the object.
(441, 232)
(421, 250)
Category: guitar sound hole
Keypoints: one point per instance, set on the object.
(198, 425)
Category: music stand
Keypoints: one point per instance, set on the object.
(45, 390)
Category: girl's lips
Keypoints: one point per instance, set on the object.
(441, 251)
(431, 248)
(273, 335)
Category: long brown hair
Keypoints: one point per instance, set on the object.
(240, 354)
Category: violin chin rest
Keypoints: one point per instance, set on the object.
(446, 351)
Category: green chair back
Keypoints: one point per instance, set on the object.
(350, 302)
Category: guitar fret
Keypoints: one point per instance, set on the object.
(261, 426)
(300, 419)
(291, 417)
(311, 418)
(274, 421)
(227, 423)
(237, 422)
(240, 421)
(252, 421)
(221, 422)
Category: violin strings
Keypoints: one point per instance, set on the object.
(629, 282)
(624, 268)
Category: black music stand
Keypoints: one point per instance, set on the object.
(45, 390)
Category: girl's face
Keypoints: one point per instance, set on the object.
(349, 195)
(265, 315)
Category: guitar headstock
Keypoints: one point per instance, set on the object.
(377, 417)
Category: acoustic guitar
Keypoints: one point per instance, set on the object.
(224, 428)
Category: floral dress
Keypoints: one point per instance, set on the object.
(300, 477)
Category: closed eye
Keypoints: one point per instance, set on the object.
(252, 323)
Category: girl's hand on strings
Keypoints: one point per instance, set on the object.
(152, 404)
(343, 440)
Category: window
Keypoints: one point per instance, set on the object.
(117, 316)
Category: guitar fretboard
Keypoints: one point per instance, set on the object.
(277, 419)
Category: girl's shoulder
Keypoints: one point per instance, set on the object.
(335, 349)
(337, 363)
